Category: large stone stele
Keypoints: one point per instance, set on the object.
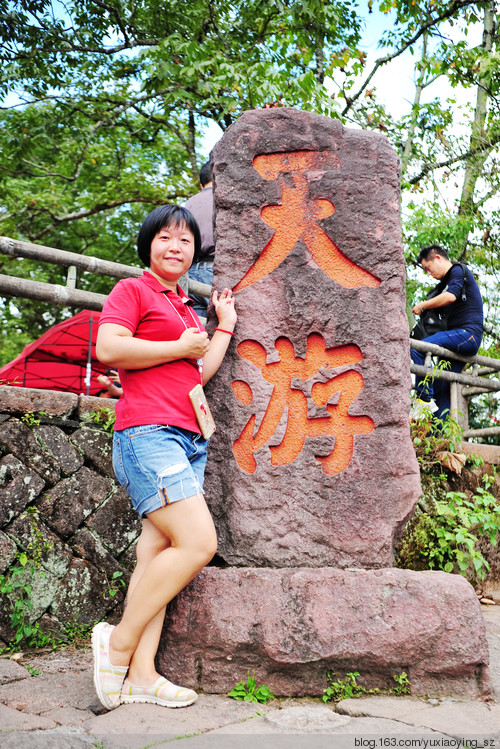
(291, 626)
(325, 201)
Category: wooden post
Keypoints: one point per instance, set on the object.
(71, 277)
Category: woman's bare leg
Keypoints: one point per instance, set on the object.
(142, 668)
(189, 526)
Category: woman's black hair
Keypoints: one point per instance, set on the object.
(164, 216)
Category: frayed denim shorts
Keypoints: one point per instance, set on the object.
(159, 464)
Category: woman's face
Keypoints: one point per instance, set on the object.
(172, 251)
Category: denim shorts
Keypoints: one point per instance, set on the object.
(159, 464)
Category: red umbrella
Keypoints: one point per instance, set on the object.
(63, 358)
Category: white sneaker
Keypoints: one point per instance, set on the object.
(162, 692)
(421, 409)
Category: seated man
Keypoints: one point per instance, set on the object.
(464, 314)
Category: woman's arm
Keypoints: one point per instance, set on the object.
(227, 317)
(117, 347)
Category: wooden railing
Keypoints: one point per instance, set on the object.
(463, 385)
(69, 295)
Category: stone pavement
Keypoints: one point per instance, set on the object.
(57, 708)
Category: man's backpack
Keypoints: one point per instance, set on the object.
(435, 320)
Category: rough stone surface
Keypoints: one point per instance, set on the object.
(116, 522)
(87, 546)
(25, 400)
(52, 559)
(19, 486)
(207, 714)
(83, 595)
(97, 447)
(32, 533)
(293, 625)
(56, 442)
(307, 719)
(289, 508)
(9, 720)
(73, 499)
(7, 551)
(88, 404)
(43, 589)
(17, 438)
(11, 671)
(63, 693)
(450, 716)
(491, 615)
(76, 523)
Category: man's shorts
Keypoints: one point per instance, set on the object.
(159, 464)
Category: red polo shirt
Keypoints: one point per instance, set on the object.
(157, 395)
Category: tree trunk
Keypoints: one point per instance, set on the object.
(479, 137)
(405, 158)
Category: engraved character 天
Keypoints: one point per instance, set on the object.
(297, 218)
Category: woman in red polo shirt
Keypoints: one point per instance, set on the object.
(149, 332)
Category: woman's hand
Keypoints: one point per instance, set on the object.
(224, 308)
(226, 314)
(196, 343)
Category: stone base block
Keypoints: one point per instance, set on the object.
(293, 625)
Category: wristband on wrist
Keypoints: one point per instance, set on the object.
(224, 331)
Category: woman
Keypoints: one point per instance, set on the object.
(148, 331)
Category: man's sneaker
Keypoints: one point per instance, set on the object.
(422, 409)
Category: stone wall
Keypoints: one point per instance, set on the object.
(59, 501)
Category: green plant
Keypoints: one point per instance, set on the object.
(445, 532)
(105, 417)
(431, 436)
(31, 419)
(31, 670)
(77, 633)
(119, 582)
(344, 689)
(249, 691)
(476, 461)
(403, 684)
(15, 585)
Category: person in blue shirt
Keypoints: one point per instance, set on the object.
(457, 293)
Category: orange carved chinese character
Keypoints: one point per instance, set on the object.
(338, 423)
(297, 217)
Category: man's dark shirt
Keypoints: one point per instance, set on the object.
(201, 206)
(466, 314)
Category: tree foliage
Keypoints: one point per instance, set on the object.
(106, 103)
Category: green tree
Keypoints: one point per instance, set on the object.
(106, 103)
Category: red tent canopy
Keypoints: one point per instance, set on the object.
(63, 358)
